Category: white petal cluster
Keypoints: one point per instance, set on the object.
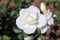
(29, 20)
(48, 15)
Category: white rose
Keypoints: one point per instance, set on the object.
(44, 30)
(29, 21)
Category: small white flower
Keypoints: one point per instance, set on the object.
(29, 20)
(54, 15)
(38, 38)
(27, 38)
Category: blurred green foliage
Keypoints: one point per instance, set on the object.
(57, 12)
(9, 13)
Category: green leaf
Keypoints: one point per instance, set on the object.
(5, 37)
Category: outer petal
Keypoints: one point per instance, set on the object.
(19, 22)
(19, 19)
(34, 9)
(42, 21)
(21, 12)
(51, 21)
(29, 28)
(44, 29)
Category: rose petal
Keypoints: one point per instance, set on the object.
(19, 22)
(42, 21)
(51, 21)
(29, 28)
